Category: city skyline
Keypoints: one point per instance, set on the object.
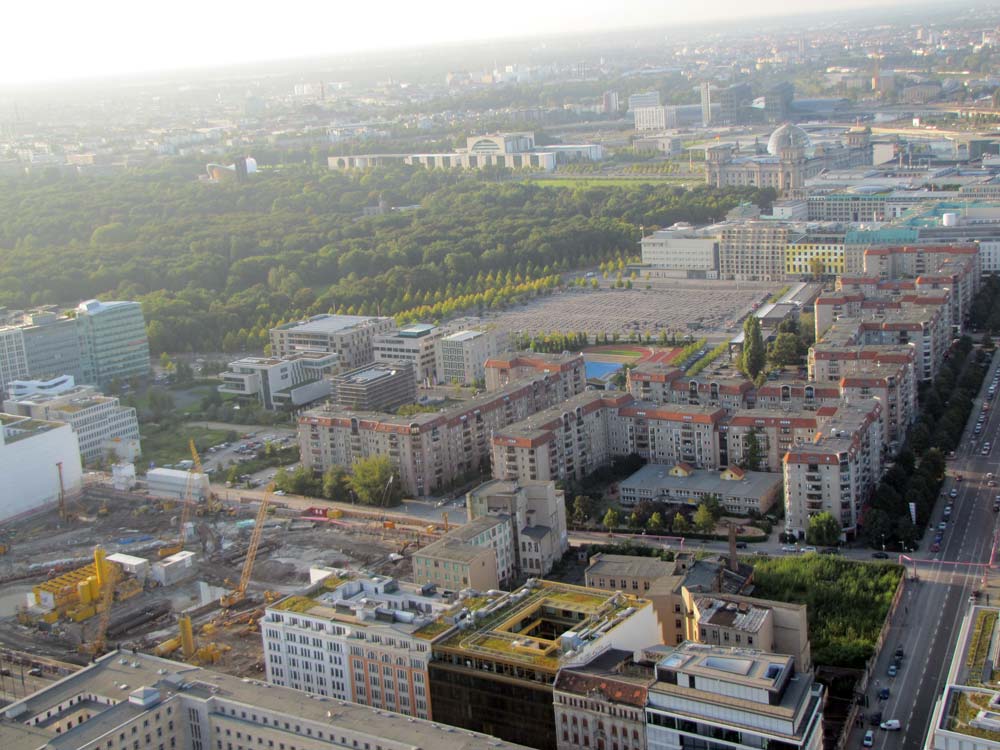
(114, 40)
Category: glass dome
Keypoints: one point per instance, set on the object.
(788, 135)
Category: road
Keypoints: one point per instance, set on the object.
(927, 621)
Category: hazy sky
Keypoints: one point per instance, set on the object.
(62, 39)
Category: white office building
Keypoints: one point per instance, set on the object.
(102, 425)
(461, 356)
(714, 697)
(351, 636)
(291, 381)
(33, 456)
(350, 336)
(416, 344)
(684, 250)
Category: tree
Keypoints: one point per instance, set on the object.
(375, 482)
(336, 482)
(655, 523)
(785, 350)
(680, 524)
(817, 268)
(878, 528)
(753, 356)
(611, 520)
(704, 521)
(752, 453)
(823, 530)
(581, 509)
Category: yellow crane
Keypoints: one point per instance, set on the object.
(106, 583)
(212, 504)
(238, 594)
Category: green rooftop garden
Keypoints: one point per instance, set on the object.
(964, 708)
(979, 645)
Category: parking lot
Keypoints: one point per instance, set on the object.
(699, 308)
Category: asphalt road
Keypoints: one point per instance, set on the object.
(927, 621)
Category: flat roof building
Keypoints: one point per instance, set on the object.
(478, 555)
(38, 458)
(382, 386)
(738, 491)
(350, 336)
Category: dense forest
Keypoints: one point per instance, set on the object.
(216, 265)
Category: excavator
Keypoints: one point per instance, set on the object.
(239, 593)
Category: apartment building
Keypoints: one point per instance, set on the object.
(350, 636)
(737, 491)
(753, 251)
(129, 700)
(670, 434)
(775, 431)
(416, 344)
(462, 356)
(601, 704)
(382, 386)
(893, 388)
(652, 381)
(730, 393)
(508, 367)
(478, 555)
(496, 665)
(349, 336)
(742, 697)
(837, 472)
(830, 362)
(536, 513)
(281, 383)
(796, 395)
(912, 261)
(113, 342)
(565, 441)
(102, 425)
(816, 253)
(626, 573)
(429, 450)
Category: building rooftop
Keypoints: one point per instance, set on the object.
(94, 307)
(125, 679)
(629, 566)
(611, 675)
(416, 330)
(738, 616)
(538, 624)
(657, 477)
(328, 323)
(464, 336)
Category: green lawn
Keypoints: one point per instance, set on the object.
(617, 353)
(169, 445)
(590, 181)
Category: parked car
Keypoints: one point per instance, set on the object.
(893, 670)
(936, 547)
(883, 694)
(880, 555)
(899, 652)
(892, 725)
(942, 526)
(808, 549)
(869, 739)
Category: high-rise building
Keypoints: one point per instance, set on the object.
(706, 103)
(381, 386)
(113, 342)
(416, 344)
(753, 251)
(643, 99)
(778, 102)
(40, 344)
(609, 102)
(462, 356)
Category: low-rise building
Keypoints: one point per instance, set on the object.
(477, 555)
(177, 484)
(628, 573)
(359, 642)
(150, 702)
(601, 704)
(38, 460)
(686, 251)
(383, 386)
(102, 425)
(496, 662)
(748, 698)
(536, 512)
(287, 382)
(738, 491)
(508, 367)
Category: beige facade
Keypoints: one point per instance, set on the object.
(453, 565)
(753, 251)
(350, 336)
(462, 356)
(509, 367)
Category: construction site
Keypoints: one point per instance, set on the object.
(182, 577)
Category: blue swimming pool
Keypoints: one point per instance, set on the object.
(602, 369)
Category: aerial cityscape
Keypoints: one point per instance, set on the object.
(444, 377)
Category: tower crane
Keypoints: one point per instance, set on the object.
(211, 503)
(186, 504)
(238, 594)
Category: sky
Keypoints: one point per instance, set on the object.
(68, 39)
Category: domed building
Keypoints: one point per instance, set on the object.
(789, 161)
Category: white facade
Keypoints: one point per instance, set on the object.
(683, 248)
(350, 336)
(101, 423)
(989, 255)
(174, 483)
(461, 357)
(292, 381)
(416, 344)
(351, 638)
(654, 118)
(29, 453)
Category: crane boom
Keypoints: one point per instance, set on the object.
(239, 593)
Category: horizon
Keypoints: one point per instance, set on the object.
(93, 45)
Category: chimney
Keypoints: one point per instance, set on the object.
(734, 563)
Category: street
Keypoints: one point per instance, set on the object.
(932, 608)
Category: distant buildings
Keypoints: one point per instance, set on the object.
(101, 424)
(683, 251)
(105, 341)
(38, 458)
(643, 99)
(416, 344)
(349, 336)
